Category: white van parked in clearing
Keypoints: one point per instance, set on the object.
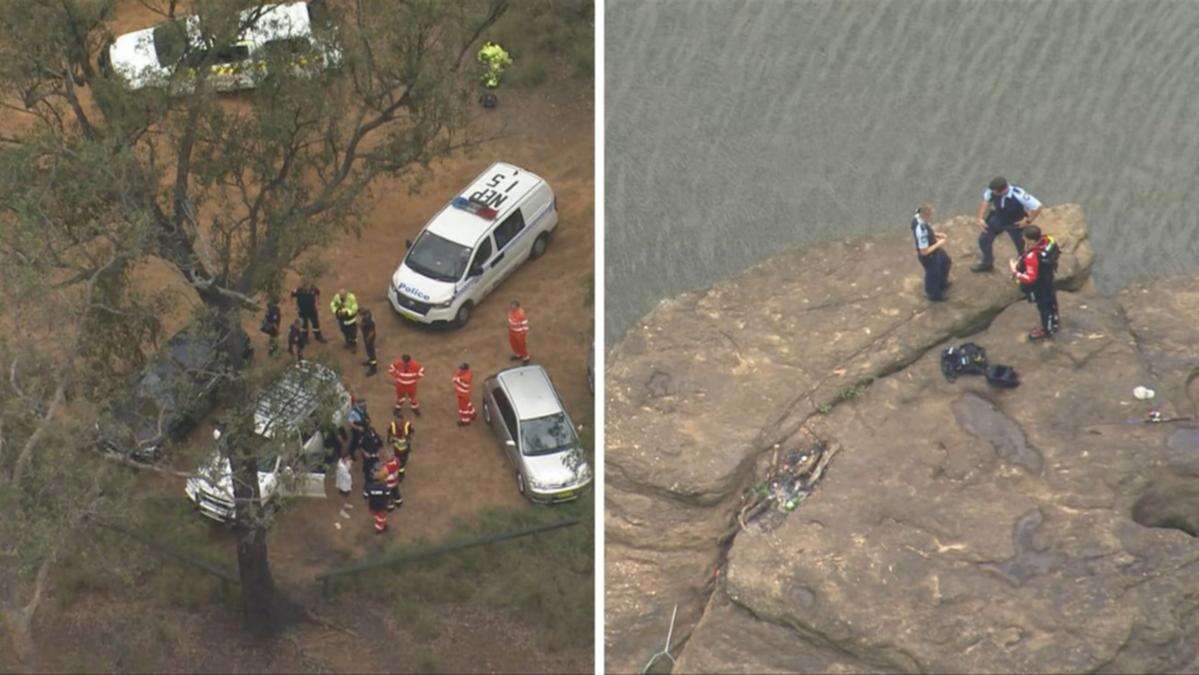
(502, 219)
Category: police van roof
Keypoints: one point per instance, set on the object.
(500, 188)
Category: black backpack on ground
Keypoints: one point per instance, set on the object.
(1004, 377)
(965, 359)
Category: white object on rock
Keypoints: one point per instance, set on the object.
(1143, 393)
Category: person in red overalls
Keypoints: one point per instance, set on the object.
(406, 372)
(462, 381)
(518, 330)
(395, 499)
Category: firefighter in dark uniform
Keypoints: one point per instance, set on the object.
(359, 420)
(368, 340)
(371, 445)
(306, 296)
(1035, 273)
(271, 324)
(297, 340)
(1004, 208)
(930, 251)
(377, 499)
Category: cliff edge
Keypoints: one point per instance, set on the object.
(957, 527)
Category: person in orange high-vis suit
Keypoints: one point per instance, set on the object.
(518, 330)
(462, 381)
(406, 372)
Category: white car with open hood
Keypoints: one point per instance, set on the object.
(288, 413)
(169, 53)
(503, 218)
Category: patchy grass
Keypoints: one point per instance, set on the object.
(546, 579)
(547, 38)
(529, 72)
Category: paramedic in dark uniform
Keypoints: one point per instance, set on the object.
(1011, 208)
(930, 251)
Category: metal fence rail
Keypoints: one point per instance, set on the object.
(389, 561)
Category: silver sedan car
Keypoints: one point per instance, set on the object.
(527, 416)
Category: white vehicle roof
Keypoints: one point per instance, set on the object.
(133, 51)
(294, 396)
(279, 22)
(530, 391)
(465, 228)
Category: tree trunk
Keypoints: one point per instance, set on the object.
(253, 563)
(260, 602)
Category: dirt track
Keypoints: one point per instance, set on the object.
(455, 470)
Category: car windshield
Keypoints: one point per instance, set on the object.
(438, 258)
(170, 42)
(546, 435)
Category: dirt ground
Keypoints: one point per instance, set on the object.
(455, 473)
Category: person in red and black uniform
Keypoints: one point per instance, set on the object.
(1034, 273)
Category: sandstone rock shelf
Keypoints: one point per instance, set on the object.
(960, 527)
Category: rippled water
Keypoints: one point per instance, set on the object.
(737, 128)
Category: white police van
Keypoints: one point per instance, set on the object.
(502, 219)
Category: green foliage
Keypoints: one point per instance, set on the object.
(855, 390)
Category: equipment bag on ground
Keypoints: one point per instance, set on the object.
(965, 359)
(1004, 377)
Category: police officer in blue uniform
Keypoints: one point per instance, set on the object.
(1004, 208)
(930, 251)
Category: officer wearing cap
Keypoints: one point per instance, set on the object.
(930, 251)
(1010, 208)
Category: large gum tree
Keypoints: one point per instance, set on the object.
(227, 190)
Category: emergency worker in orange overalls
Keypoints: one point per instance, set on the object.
(518, 331)
(462, 383)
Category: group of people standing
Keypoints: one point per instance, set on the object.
(383, 466)
(1004, 209)
(345, 309)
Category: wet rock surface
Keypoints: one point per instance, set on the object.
(960, 527)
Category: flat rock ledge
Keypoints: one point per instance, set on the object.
(959, 527)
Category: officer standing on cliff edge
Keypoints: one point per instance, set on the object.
(1011, 208)
(930, 251)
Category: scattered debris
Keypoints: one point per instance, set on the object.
(789, 480)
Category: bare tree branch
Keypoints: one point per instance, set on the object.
(495, 10)
(140, 466)
(12, 380)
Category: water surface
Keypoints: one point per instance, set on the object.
(734, 129)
